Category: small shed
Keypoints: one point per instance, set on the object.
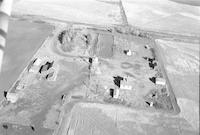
(12, 97)
(160, 81)
(125, 85)
(128, 52)
(147, 47)
(46, 66)
(114, 93)
(96, 60)
(37, 62)
(117, 80)
(34, 69)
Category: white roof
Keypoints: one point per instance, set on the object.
(160, 81)
(38, 62)
(129, 53)
(12, 97)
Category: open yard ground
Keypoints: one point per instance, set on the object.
(24, 39)
(39, 109)
(78, 100)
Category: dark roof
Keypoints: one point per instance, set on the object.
(117, 80)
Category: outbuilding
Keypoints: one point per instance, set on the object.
(147, 47)
(128, 52)
(124, 85)
(12, 97)
(114, 93)
(160, 81)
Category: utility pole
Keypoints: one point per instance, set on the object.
(5, 12)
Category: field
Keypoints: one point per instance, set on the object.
(188, 2)
(146, 14)
(181, 61)
(161, 16)
(72, 11)
(101, 119)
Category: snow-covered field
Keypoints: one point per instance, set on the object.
(181, 61)
(163, 15)
(83, 11)
(182, 58)
(159, 15)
